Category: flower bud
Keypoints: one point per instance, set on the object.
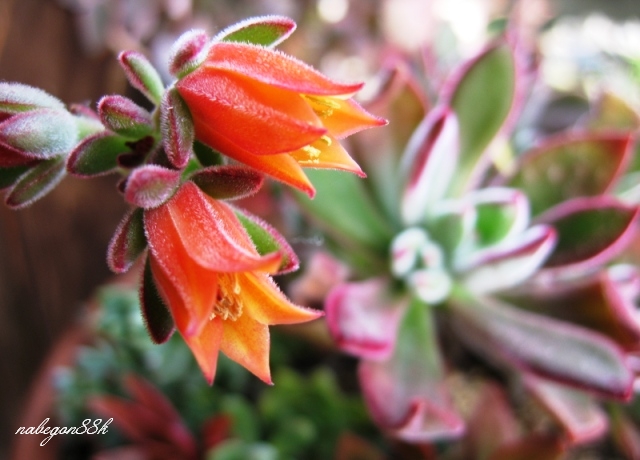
(177, 129)
(142, 75)
(151, 185)
(41, 133)
(125, 117)
(188, 52)
(16, 98)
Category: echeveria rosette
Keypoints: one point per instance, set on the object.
(268, 110)
(509, 262)
(206, 278)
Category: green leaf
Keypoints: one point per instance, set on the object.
(343, 207)
(266, 239)
(532, 342)
(568, 167)
(263, 30)
(591, 231)
(16, 98)
(43, 133)
(97, 154)
(127, 243)
(35, 184)
(406, 393)
(142, 75)
(8, 176)
(156, 315)
(482, 99)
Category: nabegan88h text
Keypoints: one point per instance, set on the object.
(88, 426)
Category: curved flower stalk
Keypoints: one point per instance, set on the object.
(209, 265)
(522, 266)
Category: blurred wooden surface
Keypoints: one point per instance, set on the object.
(52, 255)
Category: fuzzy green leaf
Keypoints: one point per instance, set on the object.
(97, 154)
(482, 99)
(570, 167)
(156, 315)
(35, 184)
(344, 208)
(263, 30)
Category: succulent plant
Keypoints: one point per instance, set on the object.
(461, 237)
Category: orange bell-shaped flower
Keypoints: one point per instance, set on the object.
(216, 285)
(272, 112)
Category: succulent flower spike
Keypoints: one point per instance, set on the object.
(214, 281)
(272, 112)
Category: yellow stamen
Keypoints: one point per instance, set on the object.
(313, 152)
(229, 303)
(322, 106)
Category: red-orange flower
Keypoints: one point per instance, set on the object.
(273, 112)
(215, 283)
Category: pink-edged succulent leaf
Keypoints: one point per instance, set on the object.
(612, 112)
(142, 75)
(177, 129)
(40, 133)
(123, 116)
(97, 155)
(482, 94)
(157, 317)
(625, 433)
(268, 240)
(188, 52)
(36, 183)
(352, 447)
(535, 343)
(509, 263)
(9, 176)
(262, 30)
(228, 182)
(11, 157)
(576, 411)
(127, 243)
(401, 101)
(501, 213)
(429, 163)
(571, 166)
(492, 409)
(406, 394)
(536, 446)
(321, 273)
(149, 186)
(604, 303)
(591, 231)
(355, 220)
(363, 318)
(17, 97)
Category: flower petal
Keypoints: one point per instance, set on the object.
(209, 231)
(233, 112)
(343, 117)
(266, 304)
(326, 152)
(275, 69)
(205, 346)
(188, 289)
(246, 341)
